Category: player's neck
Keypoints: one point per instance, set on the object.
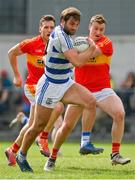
(44, 40)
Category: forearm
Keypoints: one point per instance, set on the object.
(86, 55)
(79, 59)
(13, 63)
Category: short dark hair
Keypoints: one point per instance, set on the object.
(70, 11)
(47, 18)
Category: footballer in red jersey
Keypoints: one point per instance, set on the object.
(95, 75)
(34, 49)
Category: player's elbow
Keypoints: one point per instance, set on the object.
(10, 53)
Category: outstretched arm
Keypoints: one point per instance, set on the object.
(12, 54)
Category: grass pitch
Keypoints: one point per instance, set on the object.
(72, 165)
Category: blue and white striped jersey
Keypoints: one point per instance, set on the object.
(57, 68)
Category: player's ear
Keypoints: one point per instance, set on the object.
(62, 21)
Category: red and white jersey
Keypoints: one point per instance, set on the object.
(95, 75)
(35, 50)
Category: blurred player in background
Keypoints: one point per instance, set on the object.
(34, 49)
(96, 78)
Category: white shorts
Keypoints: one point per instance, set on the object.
(49, 94)
(103, 94)
(30, 91)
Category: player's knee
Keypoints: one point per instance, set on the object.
(119, 116)
(59, 108)
(91, 103)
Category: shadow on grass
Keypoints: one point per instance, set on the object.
(98, 173)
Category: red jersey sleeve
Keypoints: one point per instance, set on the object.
(25, 45)
(105, 44)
